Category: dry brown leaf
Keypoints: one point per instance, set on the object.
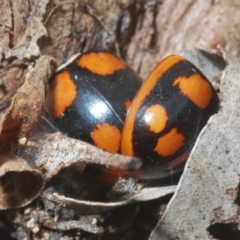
(11, 78)
(57, 151)
(19, 183)
(77, 26)
(171, 26)
(27, 104)
(26, 33)
(90, 207)
(5, 26)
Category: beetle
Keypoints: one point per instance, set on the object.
(98, 99)
(89, 98)
(168, 112)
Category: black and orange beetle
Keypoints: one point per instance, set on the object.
(89, 98)
(166, 115)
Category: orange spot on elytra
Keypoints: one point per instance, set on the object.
(170, 143)
(107, 137)
(145, 89)
(196, 88)
(156, 118)
(127, 104)
(61, 94)
(102, 63)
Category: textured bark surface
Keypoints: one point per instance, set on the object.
(36, 37)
